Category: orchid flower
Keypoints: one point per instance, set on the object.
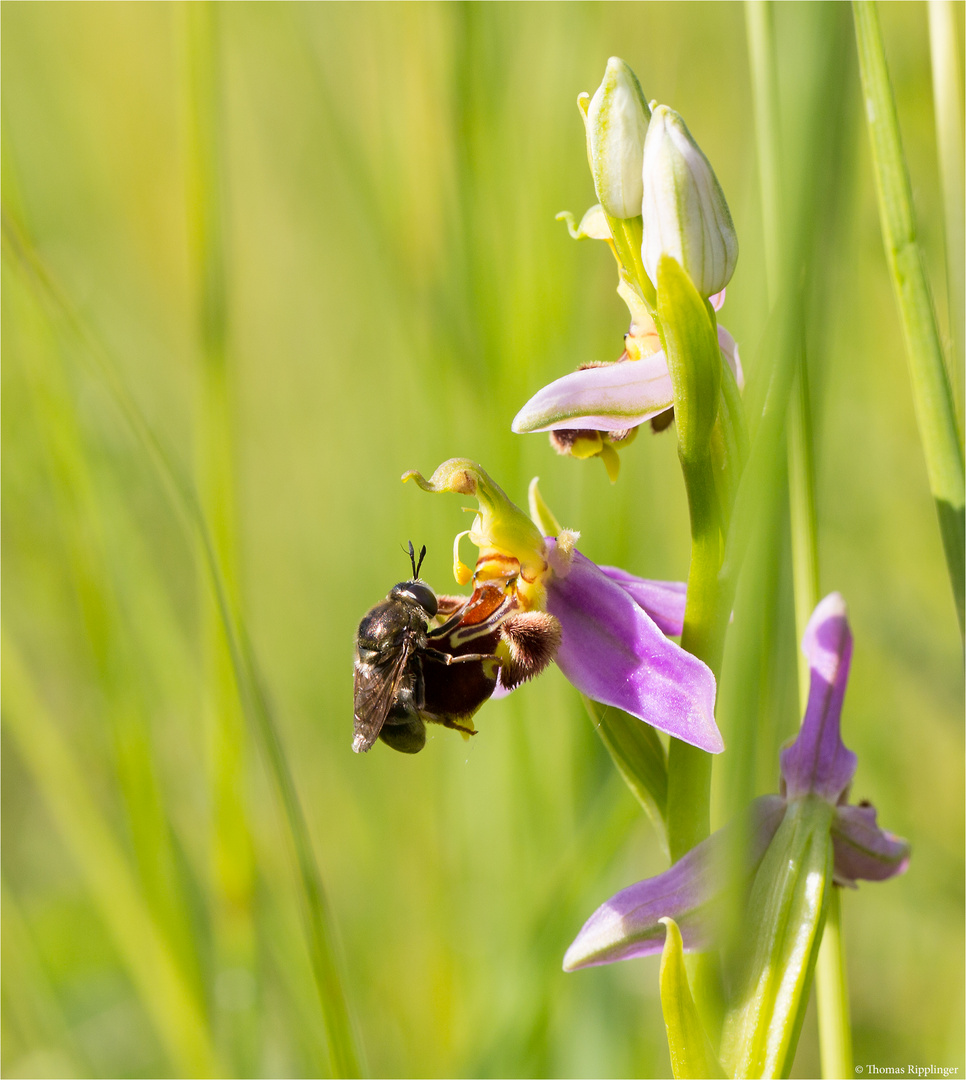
(617, 396)
(596, 410)
(816, 769)
(613, 645)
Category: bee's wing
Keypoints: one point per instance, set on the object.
(373, 694)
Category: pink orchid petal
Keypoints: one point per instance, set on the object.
(611, 397)
(817, 761)
(608, 398)
(628, 925)
(729, 350)
(663, 600)
(863, 850)
(613, 652)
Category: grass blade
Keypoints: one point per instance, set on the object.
(932, 395)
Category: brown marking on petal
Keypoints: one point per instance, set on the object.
(454, 691)
(530, 640)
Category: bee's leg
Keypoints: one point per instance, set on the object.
(453, 722)
(449, 658)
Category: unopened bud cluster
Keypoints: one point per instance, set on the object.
(647, 165)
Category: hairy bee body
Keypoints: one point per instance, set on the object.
(422, 658)
(407, 674)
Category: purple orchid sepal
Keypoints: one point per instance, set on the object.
(817, 762)
(663, 601)
(816, 769)
(629, 924)
(614, 652)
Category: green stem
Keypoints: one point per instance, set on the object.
(801, 505)
(830, 986)
(947, 95)
(801, 469)
(689, 769)
(832, 998)
(228, 741)
(932, 394)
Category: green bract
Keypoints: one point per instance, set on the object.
(693, 358)
(785, 913)
(692, 1054)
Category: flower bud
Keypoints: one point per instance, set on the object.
(616, 125)
(685, 213)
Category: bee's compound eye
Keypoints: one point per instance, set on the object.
(421, 593)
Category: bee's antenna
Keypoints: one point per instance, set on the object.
(422, 555)
(412, 559)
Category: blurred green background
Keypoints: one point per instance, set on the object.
(318, 244)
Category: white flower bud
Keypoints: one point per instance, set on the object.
(616, 125)
(685, 212)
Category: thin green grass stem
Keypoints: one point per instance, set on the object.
(801, 506)
(226, 735)
(931, 391)
(948, 102)
(830, 986)
(342, 1044)
(759, 19)
(118, 662)
(832, 995)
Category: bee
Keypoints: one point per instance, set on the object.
(401, 665)
(408, 672)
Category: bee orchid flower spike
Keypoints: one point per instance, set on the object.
(613, 645)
